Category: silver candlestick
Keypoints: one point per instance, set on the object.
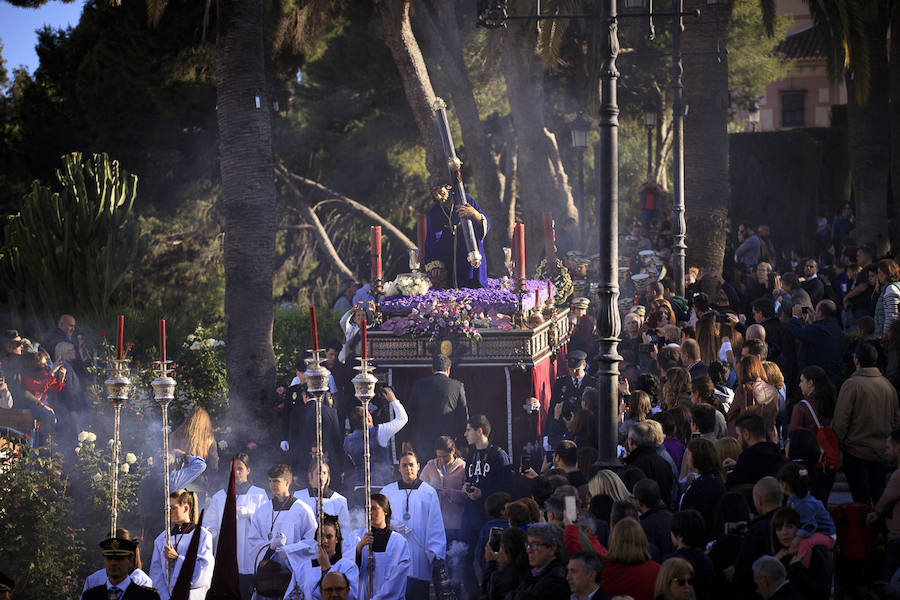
(317, 383)
(164, 392)
(117, 388)
(364, 385)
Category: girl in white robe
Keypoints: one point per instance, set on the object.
(390, 551)
(308, 557)
(170, 558)
(334, 504)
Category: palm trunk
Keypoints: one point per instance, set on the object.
(706, 185)
(248, 194)
(869, 139)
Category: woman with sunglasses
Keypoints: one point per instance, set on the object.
(675, 580)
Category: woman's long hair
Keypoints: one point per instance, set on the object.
(196, 433)
(708, 337)
(678, 382)
(607, 483)
(824, 390)
(628, 543)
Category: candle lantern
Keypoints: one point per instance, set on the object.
(118, 385)
(364, 386)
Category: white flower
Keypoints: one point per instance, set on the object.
(110, 442)
(126, 467)
(91, 437)
(150, 460)
(77, 449)
(223, 444)
(191, 337)
(96, 477)
(130, 458)
(196, 345)
(82, 436)
(209, 342)
(220, 342)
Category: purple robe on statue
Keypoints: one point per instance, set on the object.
(444, 234)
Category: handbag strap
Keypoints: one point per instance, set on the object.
(812, 412)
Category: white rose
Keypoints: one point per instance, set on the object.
(82, 436)
(130, 458)
(126, 467)
(96, 477)
(222, 444)
(196, 345)
(150, 460)
(220, 342)
(209, 342)
(77, 449)
(91, 437)
(110, 443)
(191, 337)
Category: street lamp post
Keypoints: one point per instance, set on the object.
(580, 127)
(678, 223)
(650, 124)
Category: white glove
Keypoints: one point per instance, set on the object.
(285, 446)
(278, 541)
(243, 512)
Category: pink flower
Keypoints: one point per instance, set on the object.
(279, 390)
(251, 446)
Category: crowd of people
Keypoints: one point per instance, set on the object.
(740, 404)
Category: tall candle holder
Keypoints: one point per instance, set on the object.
(163, 393)
(316, 376)
(118, 386)
(519, 319)
(414, 263)
(364, 386)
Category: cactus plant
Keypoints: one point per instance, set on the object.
(71, 250)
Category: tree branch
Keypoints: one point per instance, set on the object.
(332, 196)
(317, 229)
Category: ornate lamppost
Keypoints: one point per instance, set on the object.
(650, 124)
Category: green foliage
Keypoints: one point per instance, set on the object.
(72, 250)
(91, 489)
(291, 338)
(753, 62)
(39, 546)
(201, 375)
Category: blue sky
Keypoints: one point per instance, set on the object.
(18, 26)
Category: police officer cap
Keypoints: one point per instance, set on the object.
(581, 302)
(6, 583)
(116, 547)
(576, 358)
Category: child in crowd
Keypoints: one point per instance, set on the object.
(816, 526)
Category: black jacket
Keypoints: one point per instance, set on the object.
(549, 584)
(564, 390)
(657, 524)
(132, 592)
(703, 494)
(436, 407)
(302, 438)
(654, 467)
(788, 592)
(757, 542)
(755, 462)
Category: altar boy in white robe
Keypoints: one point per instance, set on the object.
(280, 521)
(417, 516)
(310, 560)
(249, 499)
(389, 555)
(170, 557)
(334, 504)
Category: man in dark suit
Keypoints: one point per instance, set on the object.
(569, 388)
(65, 332)
(436, 407)
(118, 559)
(779, 339)
(771, 580)
(690, 356)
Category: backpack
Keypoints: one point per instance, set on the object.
(828, 440)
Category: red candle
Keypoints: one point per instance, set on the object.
(549, 290)
(365, 352)
(375, 250)
(520, 251)
(549, 237)
(162, 341)
(314, 330)
(121, 337)
(422, 231)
